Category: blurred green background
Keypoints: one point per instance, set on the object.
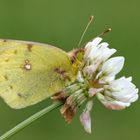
(60, 23)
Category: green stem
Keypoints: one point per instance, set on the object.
(29, 120)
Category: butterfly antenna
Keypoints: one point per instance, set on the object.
(87, 26)
(103, 33)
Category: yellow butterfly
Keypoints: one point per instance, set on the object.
(30, 72)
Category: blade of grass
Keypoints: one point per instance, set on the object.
(29, 120)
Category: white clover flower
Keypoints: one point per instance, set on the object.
(101, 70)
(111, 103)
(97, 77)
(122, 90)
(119, 94)
(105, 70)
(96, 52)
(110, 68)
(85, 117)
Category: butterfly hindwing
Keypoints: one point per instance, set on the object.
(31, 72)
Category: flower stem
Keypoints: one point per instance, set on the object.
(29, 120)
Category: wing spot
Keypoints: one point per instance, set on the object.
(5, 77)
(62, 74)
(20, 95)
(27, 65)
(27, 61)
(29, 47)
(4, 40)
(11, 87)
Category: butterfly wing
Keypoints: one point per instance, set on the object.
(31, 72)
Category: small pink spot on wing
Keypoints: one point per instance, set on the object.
(27, 65)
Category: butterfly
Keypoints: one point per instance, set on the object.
(31, 72)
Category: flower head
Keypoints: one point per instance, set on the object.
(101, 70)
(97, 77)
